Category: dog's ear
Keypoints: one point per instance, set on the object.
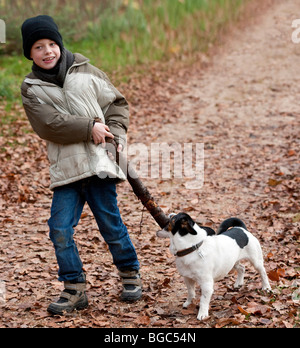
(190, 226)
(187, 226)
(183, 224)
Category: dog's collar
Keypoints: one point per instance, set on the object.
(188, 251)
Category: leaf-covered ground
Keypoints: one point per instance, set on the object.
(242, 102)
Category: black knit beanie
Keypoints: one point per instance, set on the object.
(37, 28)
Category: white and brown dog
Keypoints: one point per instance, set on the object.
(204, 257)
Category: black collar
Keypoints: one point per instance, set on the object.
(188, 251)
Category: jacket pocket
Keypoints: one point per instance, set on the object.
(53, 153)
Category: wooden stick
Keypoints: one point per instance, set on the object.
(139, 189)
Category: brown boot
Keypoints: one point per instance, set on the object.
(72, 297)
(132, 286)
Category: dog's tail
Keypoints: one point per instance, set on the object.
(232, 222)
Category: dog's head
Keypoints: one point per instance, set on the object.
(181, 223)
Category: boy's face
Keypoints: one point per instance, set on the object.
(45, 53)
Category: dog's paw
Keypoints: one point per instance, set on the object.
(237, 286)
(186, 304)
(202, 316)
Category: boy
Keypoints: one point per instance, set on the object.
(63, 97)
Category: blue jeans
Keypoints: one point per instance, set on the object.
(67, 206)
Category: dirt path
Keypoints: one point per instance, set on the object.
(244, 106)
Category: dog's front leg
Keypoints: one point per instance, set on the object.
(207, 289)
(190, 284)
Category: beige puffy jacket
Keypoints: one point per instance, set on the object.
(64, 117)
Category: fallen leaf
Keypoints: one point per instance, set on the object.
(257, 308)
(143, 320)
(226, 321)
(243, 311)
(288, 325)
(276, 274)
(274, 182)
(291, 153)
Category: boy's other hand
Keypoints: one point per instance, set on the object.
(112, 156)
(99, 132)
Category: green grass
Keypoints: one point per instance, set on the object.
(116, 34)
